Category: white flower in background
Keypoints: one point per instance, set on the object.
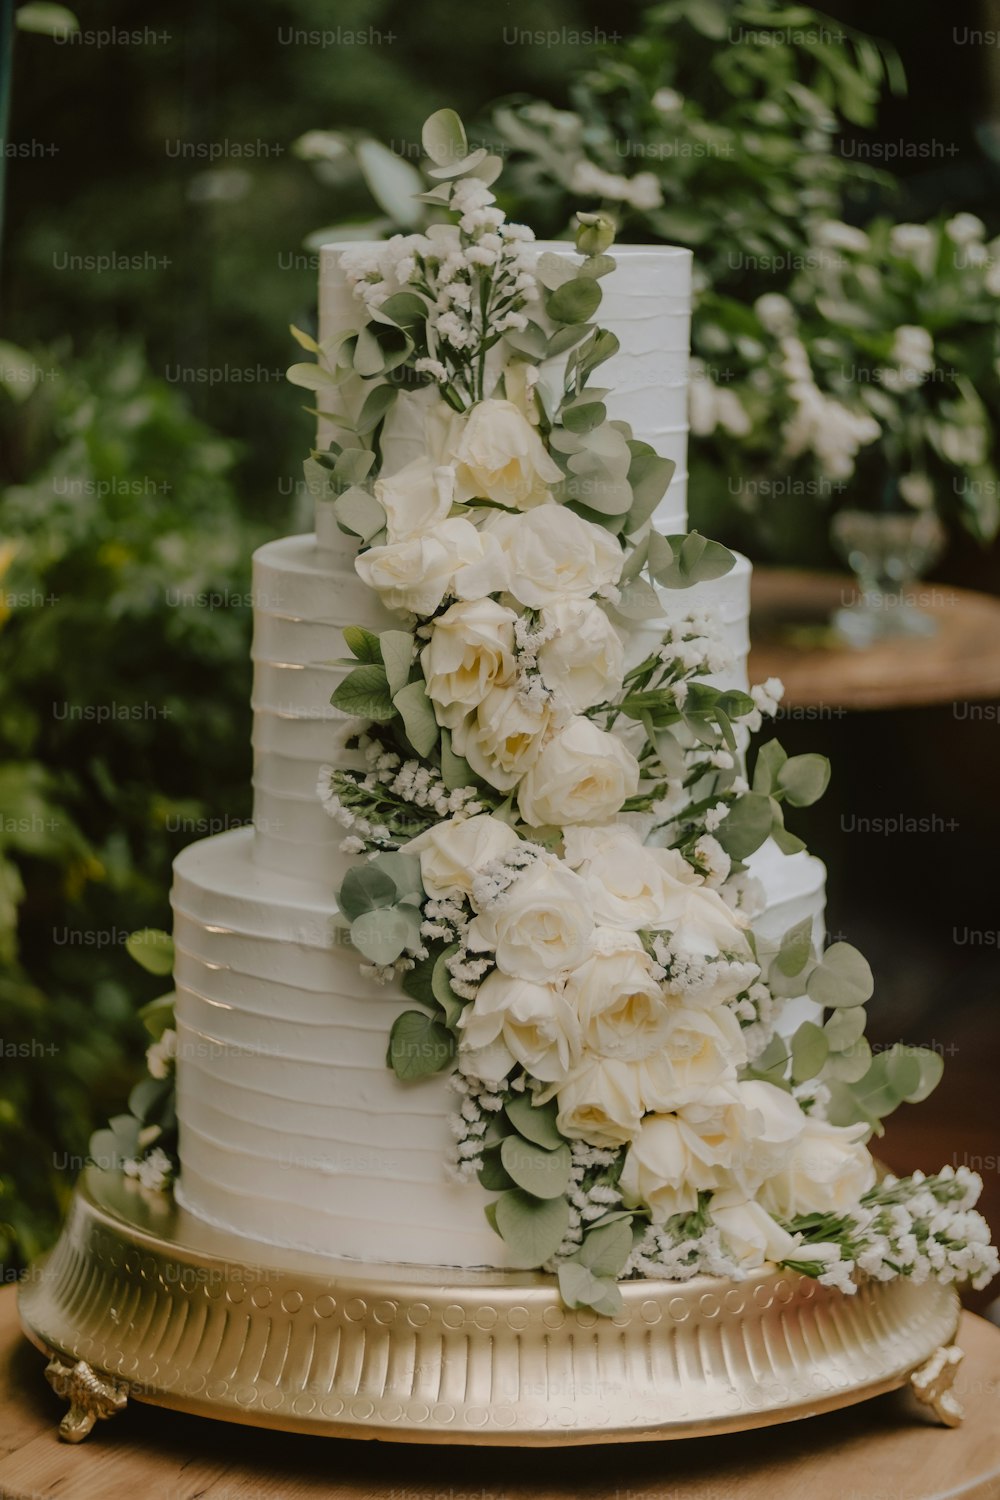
(965, 229)
(667, 101)
(642, 191)
(617, 999)
(991, 280)
(913, 358)
(416, 498)
(554, 555)
(503, 736)
(916, 243)
(730, 413)
(599, 1103)
(632, 885)
(583, 657)
(541, 927)
(819, 424)
(160, 1057)
(776, 313)
(418, 575)
(471, 650)
(751, 1234)
(917, 490)
(519, 1021)
(674, 1157)
(499, 456)
(833, 235)
(964, 446)
(451, 853)
(702, 391)
(702, 1050)
(582, 775)
(827, 1171)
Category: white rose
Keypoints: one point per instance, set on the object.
(416, 498)
(673, 1157)
(502, 737)
(631, 885)
(417, 575)
(541, 927)
(583, 775)
(750, 1234)
(499, 456)
(775, 1123)
(533, 1022)
(452, 852)
(827, 1171)
(554, 555)
(599, 1103)
(470, 651)
(584, 659)
(621, 1007)
(701, 1051)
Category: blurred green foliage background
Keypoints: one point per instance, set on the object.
(152, 261)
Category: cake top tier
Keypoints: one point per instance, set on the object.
(647, 306)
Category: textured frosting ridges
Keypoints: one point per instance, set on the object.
(646, 303)
(294, 1131)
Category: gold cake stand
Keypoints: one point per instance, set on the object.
(140, 1299)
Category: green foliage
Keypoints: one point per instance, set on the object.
(124, 726)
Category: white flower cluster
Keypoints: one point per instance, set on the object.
(479, 1104)
(819, 424)
(589, 1194)
(161, 1056)
(641, 192)
(373, 804)
(154, 1172)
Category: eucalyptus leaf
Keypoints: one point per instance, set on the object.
(841, 977)
(364, 644)
(359, 513)
(364, 694)
(492, 1174)
(415, 709)
(845, 1027)
(443, 137)
(575, 301)
(365, 888)
(532, 1228)
(535, 1122)
(158, 1015)
(850, 1063)
(579, 1287)
(810, 1049)
(381, 935)
(540, 1172)
(770, 759)
(397, 657)
(803, 779)
(605, 1251)
(441, 987)
(311, 377)
(151, 949)
(377, 404)
(796, 948)
(747, 825)
(419, 1045)
(392, 181)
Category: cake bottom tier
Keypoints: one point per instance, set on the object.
(293, 1130)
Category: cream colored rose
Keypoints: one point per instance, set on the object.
(582, 775)
(701, 1050)
(499, 456)
(827, 1171)
(555, 555)
(540, 927)
(452, 852)
(416, 498)
(620, 1005)
(584, 658)
(775, 1123)
(418, 575)
(632, 884)
(675, 1156)
(750, 1234)
(503, 736)
(470, 651)
(533, 1022)
(599, 1103)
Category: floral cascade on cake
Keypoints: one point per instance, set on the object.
(554, 822)
(552, 805)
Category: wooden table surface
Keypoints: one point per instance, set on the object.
(881, 1450)
(789, 616)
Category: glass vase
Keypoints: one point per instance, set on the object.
(888, 552)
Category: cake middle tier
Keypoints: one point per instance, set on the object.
(302, 601)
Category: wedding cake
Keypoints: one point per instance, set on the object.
(500, 729)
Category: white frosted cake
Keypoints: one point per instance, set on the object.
(292, 1129)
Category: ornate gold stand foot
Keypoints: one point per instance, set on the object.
(89, 1397)
(931, 1385)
